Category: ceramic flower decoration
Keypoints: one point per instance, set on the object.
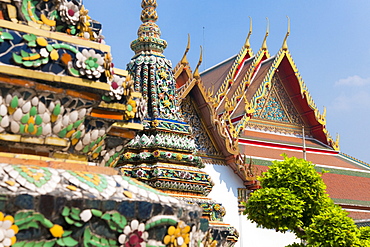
(178, 236)
(134, 235)
(142, 109)
(130, 109)
(7, 230)
(116, 89)
(69, 12)
(90, 63)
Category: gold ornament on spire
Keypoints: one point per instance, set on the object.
(247, 43)
(149, 34)
(149, 13)
(264, 44)
(285, 45)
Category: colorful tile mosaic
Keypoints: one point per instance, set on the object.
(55, 207)
(55, 15)
(203, 143)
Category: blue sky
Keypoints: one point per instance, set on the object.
(329, 42)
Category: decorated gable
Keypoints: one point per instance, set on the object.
(203, 142)
(277, 106)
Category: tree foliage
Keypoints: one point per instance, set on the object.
(293, 197)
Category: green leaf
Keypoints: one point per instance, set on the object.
(8, 36)
(22, 215)
(29, 37)
(67, 233)
(19, 244)
(32, 44)
(96, 212)
(60, 242)
(106, 216)
(119, 219)
(28, 63)
(68, 241)
(47, 223)
(50, 243)
(14, 102)
(112, 225)
(74, 71)
(24, 53)
(56, 112)
(31, 224)
(79, 224)
(39, 244)
(69, 221)
(66, 211)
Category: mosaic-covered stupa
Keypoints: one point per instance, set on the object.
(66, 116)
(164, 155)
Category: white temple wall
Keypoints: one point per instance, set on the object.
(225, 191)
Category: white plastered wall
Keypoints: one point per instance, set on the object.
(225, 191)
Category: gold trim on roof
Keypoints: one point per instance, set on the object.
(222, 91)
(184, 59)
(261, 92)
(264, 43)
(285, 45)
(196, 74)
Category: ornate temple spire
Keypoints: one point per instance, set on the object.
(149, 34)
(150, 70)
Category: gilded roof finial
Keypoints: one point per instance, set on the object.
(149, 34)
(285, 45)
(184, 60)
(149, 13)
(247, 43)
(196, 74)
(264, 44)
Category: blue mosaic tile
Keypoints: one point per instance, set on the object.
(24, 201)
(92, 204)
(204, 224)
(127, 209)
(145, 210)
(109, 205)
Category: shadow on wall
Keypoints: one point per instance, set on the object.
(227, 176)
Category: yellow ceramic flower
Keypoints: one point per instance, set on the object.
(166, 103)
(156, 153)
(179, 156)
(57, 231)
(7, 230)
(155, 123)
(177, 236)
(127, 156)
(130, 109)
(163, 74)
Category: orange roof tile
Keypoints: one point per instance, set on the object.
(214, 77)
(359, 215)
(333, 160)
(293, 140)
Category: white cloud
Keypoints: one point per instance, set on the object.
(356, 101)
(353, 81)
